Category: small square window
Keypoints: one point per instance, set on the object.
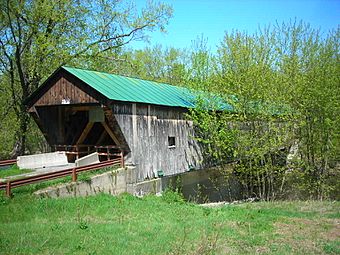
(171, 142)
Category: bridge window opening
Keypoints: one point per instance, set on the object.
(171, 141)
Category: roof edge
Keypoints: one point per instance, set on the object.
(120, 75)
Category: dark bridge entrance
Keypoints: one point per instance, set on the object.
(78, 130)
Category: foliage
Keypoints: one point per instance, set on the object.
(283, 86)
(170, 196)
(302, 185)
(213, 133)
(167, 65)
(104, 224)
(309, 77)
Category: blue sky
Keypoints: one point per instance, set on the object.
(212, 18)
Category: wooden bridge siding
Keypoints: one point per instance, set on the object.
(63, 89)
(146, 129)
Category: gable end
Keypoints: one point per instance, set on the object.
(64, 88)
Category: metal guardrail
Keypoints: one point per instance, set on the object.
(10, 184)
(8, 162)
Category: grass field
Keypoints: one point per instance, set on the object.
(13, 170)
(165, 225)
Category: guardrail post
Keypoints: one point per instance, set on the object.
(74, 175)
(8, 188)
(121, 159)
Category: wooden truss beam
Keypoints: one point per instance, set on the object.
(102, 136)
(85, 132)
(111, 134)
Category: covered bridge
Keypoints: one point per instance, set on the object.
(82, 111)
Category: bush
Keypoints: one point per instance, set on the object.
(171, 196)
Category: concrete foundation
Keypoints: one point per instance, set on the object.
(141, 189)
(87, 160)
(199, 186)
(112, 182)
(43, 160)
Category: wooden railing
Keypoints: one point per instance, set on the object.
(8, 162)
(76, 150)
(10, 184)
(109, 151)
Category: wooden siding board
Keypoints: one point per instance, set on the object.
(64, 89)
(146, 129)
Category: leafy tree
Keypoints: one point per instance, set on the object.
(283, 87)
(247, 131)
(38, 36)
(156, 63)
(201, 64)
(308, 80)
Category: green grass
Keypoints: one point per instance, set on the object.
(13, 170)
(104, 224)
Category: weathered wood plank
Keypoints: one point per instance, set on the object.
(64, 92)
(146, 129)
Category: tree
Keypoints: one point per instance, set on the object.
(155, 63)
(309, 80)
(38, 36)
(245, 132)
(283, 86)
(201, 65)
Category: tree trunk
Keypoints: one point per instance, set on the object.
(21, 134)
(24, 121)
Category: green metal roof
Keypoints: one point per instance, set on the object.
(121, 88)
